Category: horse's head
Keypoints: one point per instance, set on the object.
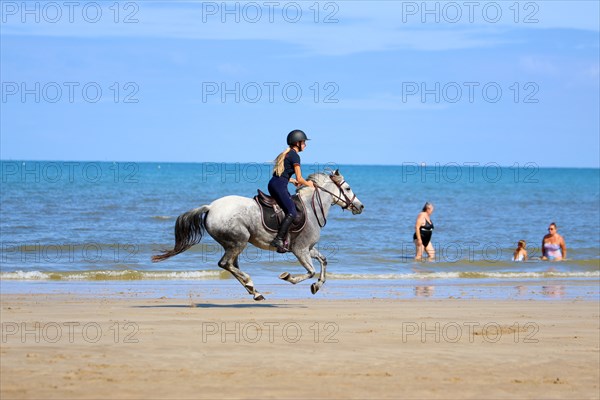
(341, 193)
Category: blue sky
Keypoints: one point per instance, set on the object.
(370, 82)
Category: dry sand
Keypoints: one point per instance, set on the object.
(67, 347)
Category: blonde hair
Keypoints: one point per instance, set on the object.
(522, 244)
(279, 165)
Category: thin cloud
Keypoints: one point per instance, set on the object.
(336, 29)
(539, 65)
(384, 102)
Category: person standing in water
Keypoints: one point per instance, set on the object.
(553, 245)
(423, 232)
(287, 164)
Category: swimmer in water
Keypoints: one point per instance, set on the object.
(520, 253)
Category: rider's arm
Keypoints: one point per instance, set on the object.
(299, 179)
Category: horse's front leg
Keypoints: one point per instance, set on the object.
(303, 255)
(314, 253)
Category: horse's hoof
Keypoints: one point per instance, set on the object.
(284, 275)
(314, 288)
(260, 297)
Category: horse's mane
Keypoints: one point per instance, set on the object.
(317, 177)
(320, 178)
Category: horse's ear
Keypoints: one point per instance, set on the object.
(336, 172)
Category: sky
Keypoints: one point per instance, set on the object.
(370, 82)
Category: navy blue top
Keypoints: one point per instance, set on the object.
(291, 158)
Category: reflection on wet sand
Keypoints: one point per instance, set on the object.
(554, 291)
(521, 290)
(557, 291)
(424, 291)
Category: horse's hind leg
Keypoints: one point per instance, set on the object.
(229, 262)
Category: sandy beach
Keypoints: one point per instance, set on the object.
(76, 347)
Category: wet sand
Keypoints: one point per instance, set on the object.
(72, 346)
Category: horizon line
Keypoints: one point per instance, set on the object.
(479, 164)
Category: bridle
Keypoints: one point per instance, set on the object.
(348, 202)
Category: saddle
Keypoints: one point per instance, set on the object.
(272, 214)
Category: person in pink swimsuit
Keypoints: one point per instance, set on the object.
(553, 245)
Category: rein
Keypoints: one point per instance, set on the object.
(347, 201)
(318, 195)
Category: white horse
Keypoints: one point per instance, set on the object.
(235, 221)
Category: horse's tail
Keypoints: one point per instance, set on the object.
(189, 229)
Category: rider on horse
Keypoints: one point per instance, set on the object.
(287, 164)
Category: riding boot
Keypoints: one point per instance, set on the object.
(283, 230)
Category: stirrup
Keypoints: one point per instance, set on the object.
(280, 245)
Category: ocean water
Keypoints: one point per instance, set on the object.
(80, 221)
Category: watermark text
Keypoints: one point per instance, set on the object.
(472, 12)
(69, 92)
(54, 172)
(269, 92)
(271, 12)
(454, 332)
(70, 332)
(470, 92)
(55, 12)
(269, 332)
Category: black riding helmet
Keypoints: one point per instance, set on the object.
(296, 136)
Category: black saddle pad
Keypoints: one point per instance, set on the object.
(272, 214)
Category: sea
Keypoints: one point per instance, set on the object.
(91, 228)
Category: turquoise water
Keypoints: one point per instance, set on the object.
(102, 221)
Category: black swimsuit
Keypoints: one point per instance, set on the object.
(426, 231)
